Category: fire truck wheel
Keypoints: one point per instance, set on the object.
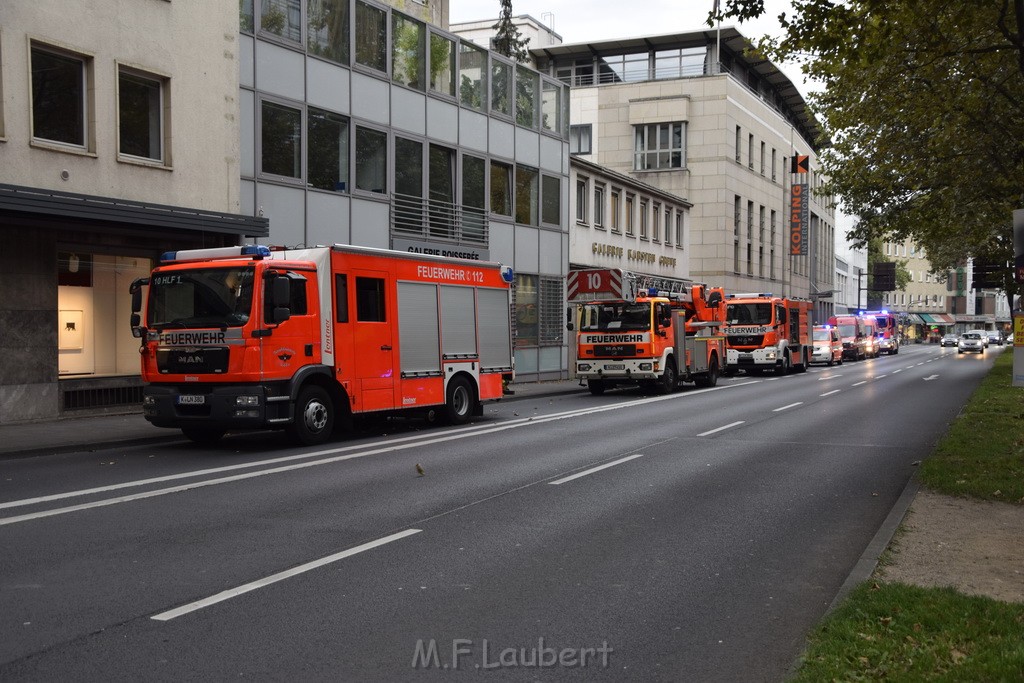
(669, 378)
(710, 378)
(784, 365)
(804, 362)
(314, 417)
(459, 405)
(206, 435)
(596, 386)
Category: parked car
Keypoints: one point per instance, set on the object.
(971, 341)
(828, 347)
(949, 340)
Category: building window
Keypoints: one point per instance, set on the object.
(579, 139)
(668, 227)
(750, 221)
(371, 160)
(327, 151)
(526, 195)
(762, 158)
(281, 140)
(658, 146)
(598, 206)
(246, 17)
(680, 236)
(615, 211)
(552, 309)
(643, 220)
(472, 76)
(327, 29)
(656, 223)
(60, 97)
(371, 37)
(736, 216)
(760, 225)
(526, 97)
(408, 56)
(738, 138)
(441, 181)
(501, 87)
(527, 311)
(750, 151)
(629, 215)
(140, 115)
(773, 164)
(501, 188)
(409, 215)
(442, 65)
(551, 107)
(539, 307)
(282, 18)
(581, 200)
(474, 199)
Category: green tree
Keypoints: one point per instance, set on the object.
(508, 41)
(922, 105)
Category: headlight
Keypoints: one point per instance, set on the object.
(149, 400)
(247, 400)
(770, 355)
(583, 367)
(646, 366)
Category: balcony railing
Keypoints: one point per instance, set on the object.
(436, 219)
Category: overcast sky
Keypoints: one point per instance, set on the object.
(578, 21)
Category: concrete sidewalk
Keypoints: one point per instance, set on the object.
(103, 431)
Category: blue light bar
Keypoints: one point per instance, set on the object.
(252, 250)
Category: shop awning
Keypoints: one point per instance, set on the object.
(942, 319)
(914, 319)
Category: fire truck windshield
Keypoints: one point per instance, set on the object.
(749, 314)
(204, 297)
(612, 317)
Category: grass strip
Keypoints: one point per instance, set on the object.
(895, 632)
(982, 453)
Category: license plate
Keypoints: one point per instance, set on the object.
(191, 400)
(615, 366)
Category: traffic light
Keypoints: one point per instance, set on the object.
(987, 274)
(883, 276)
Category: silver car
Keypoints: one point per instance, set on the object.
(971, 341)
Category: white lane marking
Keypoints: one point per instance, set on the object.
(930, 378)
(791, 405)
(280, 576)
(880, 376)
(895, 371)
(718, 429)
(829, 393)
(595, 469)
(822, 379)
(390, 446)
(859, 383)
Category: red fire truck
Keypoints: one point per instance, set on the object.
(887, 329)
(641, 329)
(299, 339)
(766, 332)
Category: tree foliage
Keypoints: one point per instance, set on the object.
(508, 41)
(923, 107)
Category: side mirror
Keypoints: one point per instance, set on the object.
(280, 299)
(568, 320)
(136, 291)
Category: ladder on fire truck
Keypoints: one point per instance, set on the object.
(626, 285)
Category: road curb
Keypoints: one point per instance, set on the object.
(868, 561)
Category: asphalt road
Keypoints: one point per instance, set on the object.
(697, 536)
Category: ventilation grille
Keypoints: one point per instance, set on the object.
(101, 397)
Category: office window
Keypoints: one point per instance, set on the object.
(551, 107)
(551, 199)
(327, 152)
(579, 139)
(246, 17)
(581, 200)
(668, 226)
(371, 160)
(59, 97)
(598, 206)
(501, 188)
(140, 115)
(472, 76)
(527, 314)
(526, 199)
(615, 211)
(408, 56)
(526, 97)
(371, 36)
(773, 164)
(282, 18)
(760, 224)
(658, 146)
(552, 307)
(442, 65)
(409, 185)
(680, 235)
(643, 220)
(441, 183)
(750, 151)
(281, 138)
(762, 158)
(501, 87)
(327, 29)
(738, 137)
(736, 216)
(474, 198)
(655, 222)
(629, 215)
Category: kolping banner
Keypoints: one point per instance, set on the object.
(799, 218)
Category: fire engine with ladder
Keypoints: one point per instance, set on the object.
(302, 339)
(765, 332)
(642, 329)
